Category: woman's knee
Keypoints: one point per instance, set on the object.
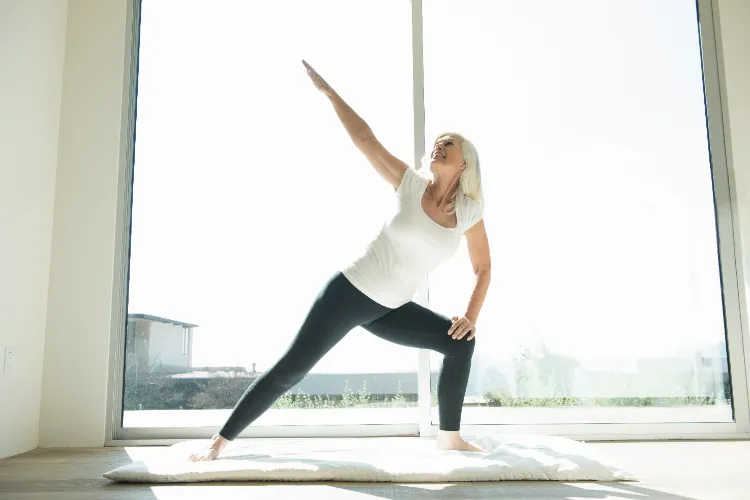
(461, 348)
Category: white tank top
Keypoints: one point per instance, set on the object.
(409, 246)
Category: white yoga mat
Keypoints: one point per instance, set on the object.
(522, 457)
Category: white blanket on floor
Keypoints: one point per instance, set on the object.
(523, 457)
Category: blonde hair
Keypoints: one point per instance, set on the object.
(471, 180)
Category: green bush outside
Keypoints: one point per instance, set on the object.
(160, 392)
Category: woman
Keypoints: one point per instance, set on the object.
(375, 291)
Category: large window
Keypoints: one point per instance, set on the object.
(589, 118)
(590, 123)
(248, 195)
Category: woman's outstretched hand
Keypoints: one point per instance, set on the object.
(461, 327)
(317, 80)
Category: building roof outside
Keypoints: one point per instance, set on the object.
(158, 319)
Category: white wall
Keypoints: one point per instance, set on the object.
(76, 355)
(165, 346)
(32, 41)
(81, 278)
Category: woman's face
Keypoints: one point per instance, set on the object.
(447, 155)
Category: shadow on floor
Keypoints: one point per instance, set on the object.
(551, 490)
(515, 490)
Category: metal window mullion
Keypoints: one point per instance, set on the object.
(423, 356)
(115, 385)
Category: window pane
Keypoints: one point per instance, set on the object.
(249, 195)
(590, 124)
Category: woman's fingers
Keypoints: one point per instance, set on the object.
(317, 80)
(310, 70)
(469, 328)
(456, 324)
(314, 74)
(461, 327)
(457, 328)
(462, 330)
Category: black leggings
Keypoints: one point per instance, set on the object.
(339, 308)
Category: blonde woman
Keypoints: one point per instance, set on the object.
(375, 291)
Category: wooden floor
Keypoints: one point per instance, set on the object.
(668, 471)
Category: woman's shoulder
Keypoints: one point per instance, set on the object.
(469, 211)
(412, 180)
(418, 175)
(469, 203)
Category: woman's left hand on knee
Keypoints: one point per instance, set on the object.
(462, 327)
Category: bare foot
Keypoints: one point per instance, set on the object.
(211, 450)
(449, 440)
